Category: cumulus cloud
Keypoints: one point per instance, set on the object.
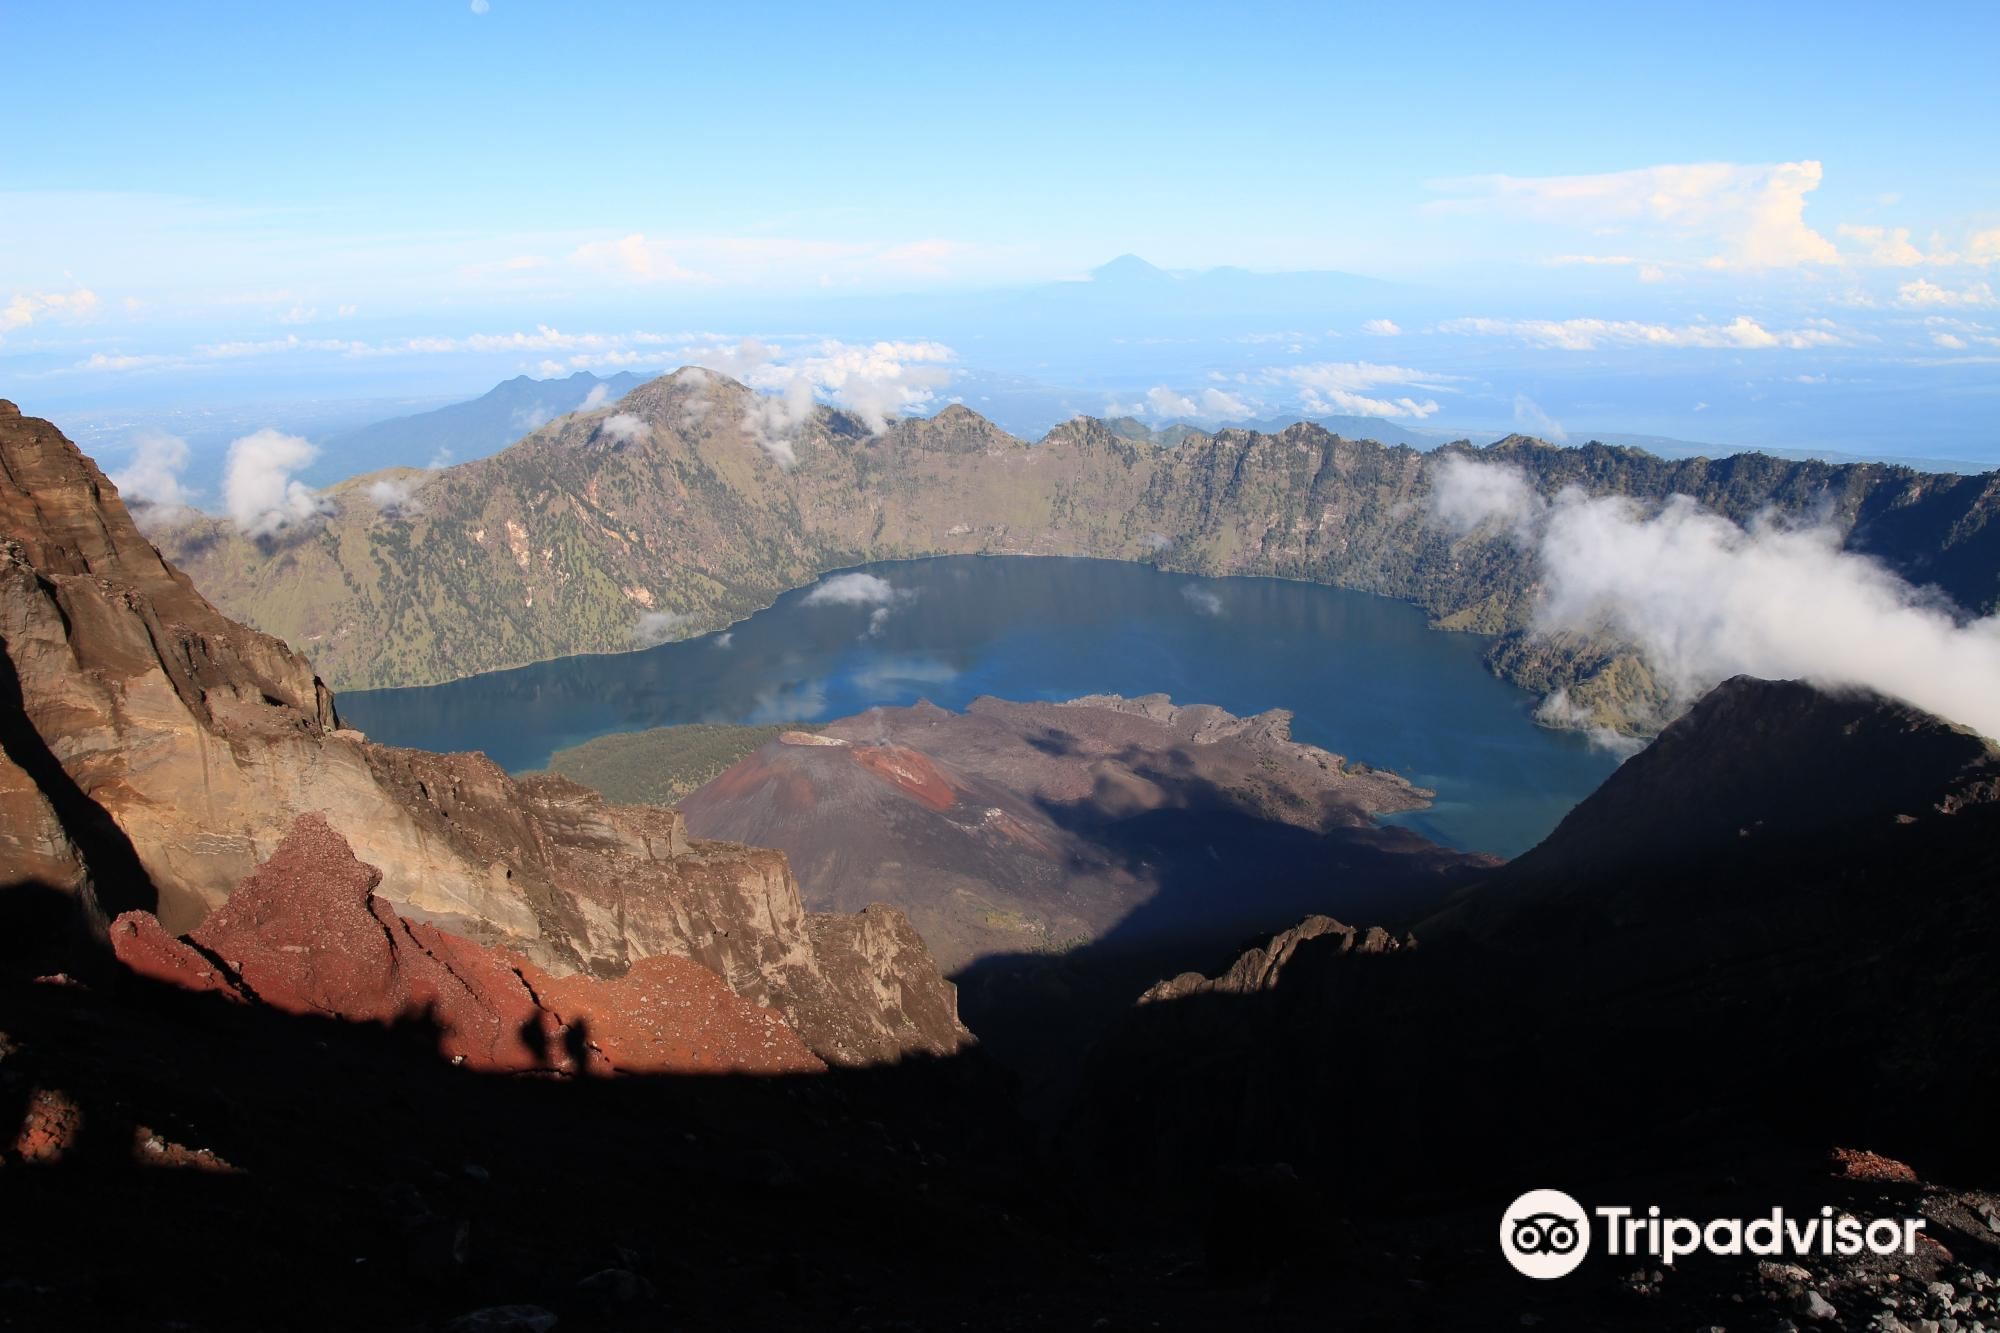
(656, 627)
(24, 308)
(1723, 214)
(1342, 386)
(1386, 328)
(258, 490)
(1583, 335)
(1889, 247)
(871, 382)
(1949, 340)
(153, 477)
(395, 497)
(1164, 404)
(855, 590)
(1530, 418)
(481, 6)
(599, 395)
(1701, 599)
(1923, 292)
(624, 428)
(1205, 601)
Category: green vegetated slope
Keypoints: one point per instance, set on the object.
(660, 765)
(600, 532)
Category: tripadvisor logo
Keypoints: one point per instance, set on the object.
(1546, 1234)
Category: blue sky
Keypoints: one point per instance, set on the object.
(1625, 211)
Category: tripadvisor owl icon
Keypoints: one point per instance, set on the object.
(1545, 1234)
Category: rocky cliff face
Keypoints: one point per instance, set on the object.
(156, 752)
(564, 542)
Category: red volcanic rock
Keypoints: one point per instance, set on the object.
(306, 934)
(667, 1015)
(1860, 1164)
(51, 1127)
(142, 944)
(911, 771)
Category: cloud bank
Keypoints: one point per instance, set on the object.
(1583, 335)
(1343, 386)
(1703, 599)
(1743, 215)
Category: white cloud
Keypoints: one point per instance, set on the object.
(1984, 247)
(395, 497)
(1702, 599)
(1468, 496)
(24, 308)
(532, 417)
(871, 382)
(1924, 292)
(1532, 420)
(1210, 404)
(1205, 601)
(632, 256)
(1387, 328)
(599, 395)
(1949, 340)
(855, 590)
(1888, 247)
(1743, 215)
(153, 478)
(1339, 387)
(656, 627)
(625, 428)
(1582, 335)
(481, 6)
(258, 490)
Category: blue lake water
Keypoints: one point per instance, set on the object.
(1363, 675)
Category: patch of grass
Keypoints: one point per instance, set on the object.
(664, 764)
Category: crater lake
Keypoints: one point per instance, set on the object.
(1363, 676)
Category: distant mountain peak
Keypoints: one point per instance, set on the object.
(1128, 268)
